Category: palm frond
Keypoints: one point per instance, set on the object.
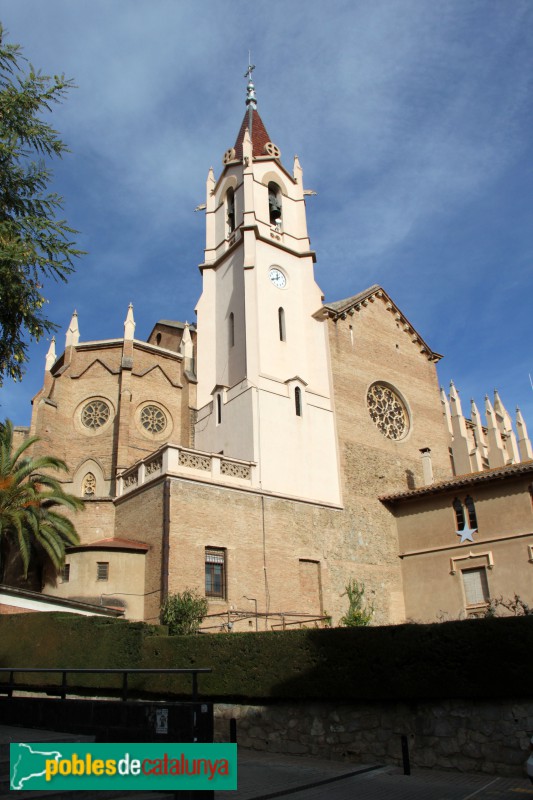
(29, 497)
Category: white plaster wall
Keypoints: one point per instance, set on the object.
(298, 455)
(304, 353)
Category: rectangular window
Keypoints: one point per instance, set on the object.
(65, 573)
(215, 572)
(102, 570)
(476, 586)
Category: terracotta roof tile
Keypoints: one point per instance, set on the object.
(498, 473)
(111, 544)
(259, 135)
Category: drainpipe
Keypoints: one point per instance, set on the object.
(166, 542)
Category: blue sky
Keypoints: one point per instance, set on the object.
(412, 121)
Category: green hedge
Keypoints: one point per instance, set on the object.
(59, 639)
(470, 659)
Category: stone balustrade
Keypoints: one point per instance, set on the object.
(183, 462)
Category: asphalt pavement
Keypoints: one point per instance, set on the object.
(263, 776)
(270, 775)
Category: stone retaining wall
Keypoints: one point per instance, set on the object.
(490, 737)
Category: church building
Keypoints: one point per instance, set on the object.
(281, 446)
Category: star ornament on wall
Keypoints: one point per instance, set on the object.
(467, 534)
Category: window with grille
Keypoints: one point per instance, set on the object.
(215, 572)
(476, 586)
(102, 570)
(65, 573)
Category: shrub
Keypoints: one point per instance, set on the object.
(357, 614)
(184, 612)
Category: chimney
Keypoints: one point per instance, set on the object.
(427, 466)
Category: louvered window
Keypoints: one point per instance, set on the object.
(476, 586)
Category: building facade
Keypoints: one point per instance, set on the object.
(279, 447)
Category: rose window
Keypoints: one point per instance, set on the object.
(387, 411)
(153, 419)
(95, 414)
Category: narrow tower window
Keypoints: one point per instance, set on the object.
(274, 204)
(281, 325)
(230, 210)
(298, 401)
(219, 409)
(231, 330)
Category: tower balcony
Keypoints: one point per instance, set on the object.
(176, 461)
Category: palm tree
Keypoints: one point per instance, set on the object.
(30, 524)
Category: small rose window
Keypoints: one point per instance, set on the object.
(95, 414)
(387, 411)
(153, 419)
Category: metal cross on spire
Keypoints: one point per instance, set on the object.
(251, 67)
(251, 99)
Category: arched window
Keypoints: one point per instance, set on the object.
(158, 339)
(281, 325)
(298, 401)
(230, 210)
(470, 507)
(274, 204)
(219, 409)
(231, 330)
(88, 486)
(459, 514)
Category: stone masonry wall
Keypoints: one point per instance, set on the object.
(490, 737)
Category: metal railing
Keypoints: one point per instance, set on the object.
(7, 687)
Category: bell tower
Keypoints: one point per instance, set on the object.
(264, 382)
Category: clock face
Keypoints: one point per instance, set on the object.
(277, 278)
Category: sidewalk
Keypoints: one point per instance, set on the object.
(271, 775)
